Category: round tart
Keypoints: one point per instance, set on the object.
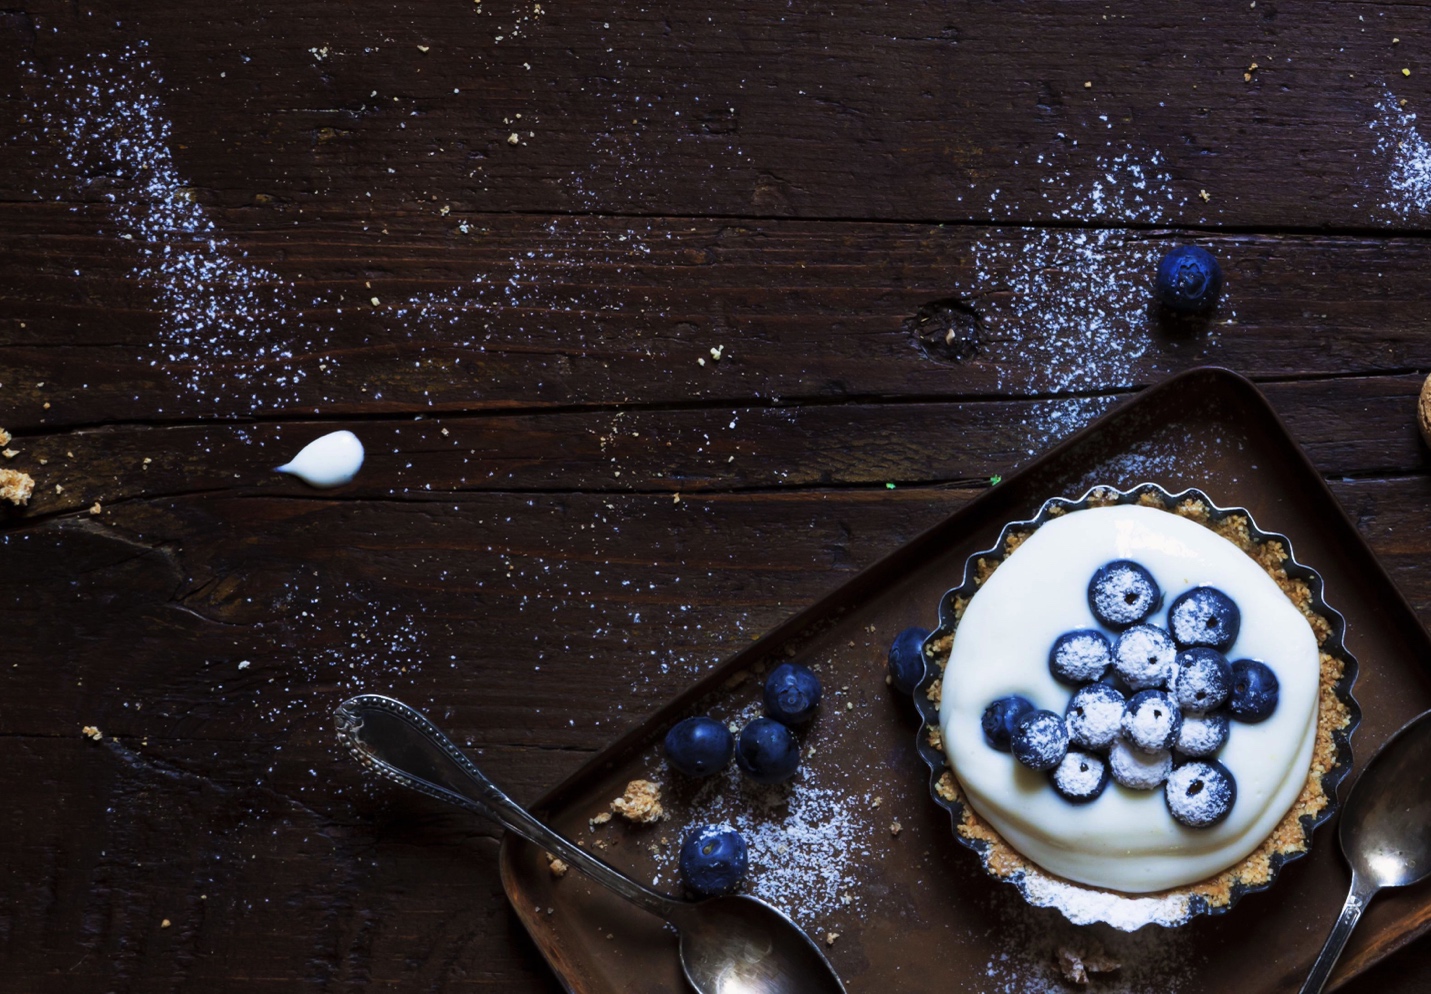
(1171, 701)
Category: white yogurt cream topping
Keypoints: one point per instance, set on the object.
(329, 461)
(1124, 840)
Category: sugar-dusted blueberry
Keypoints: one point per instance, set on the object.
(1254, 691)
(1080, 777)
(906, 659)
(1189, 280)
(1123, 593)
(1001, 717)
(1136, 769)
(1080, 657)
(1204, 616)
(1143, 657)
(1040, 741)
(1094, 716)
(1151, 721)
(1202, 734)
(791, 694)
(767, 751)
(1200, 793)
(699, 747)
(713, 860)
(1201, 680)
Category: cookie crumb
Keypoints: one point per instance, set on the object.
(895, 828)
(11, 453)
(95, 508)
(600, 819)
(4, 437)
(830, 938)
(513, 138)
(641, 803)
(165, 923)
(16, 487)
(1076, 965)
(90, 732)
(558, 867)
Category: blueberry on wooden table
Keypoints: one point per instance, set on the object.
(1040, 740)
(1080, 657)
(1254, 691)
(1122, 593)
(1204, 616)
(1189, 280)
(699, 747)
(713, 860)
(906, 659)
(791, 694)
(1000, 719)
(767, 751)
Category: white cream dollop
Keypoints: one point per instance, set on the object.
(329, 461)
(1125, 840)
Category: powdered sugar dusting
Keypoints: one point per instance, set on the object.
(1407, 156)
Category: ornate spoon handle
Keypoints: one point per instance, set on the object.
(399, 743)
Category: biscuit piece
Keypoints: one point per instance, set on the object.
(641, 803)
(16, 487)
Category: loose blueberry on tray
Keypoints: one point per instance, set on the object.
(1254, 691)
(1094, 716)
(1081, 776)
(1199, 794)
(906, 659)
(699, 747)
(1136, 769)
(1189, 279)
(1152, 721)
(1202, 680)
(767, 751)
(1039, 741)
(1143, 657)
(1080, 657)
(1001, 717)
(713, 860)
(1122, 593)
(1204, 616)
(791, 694)
(1202, 734)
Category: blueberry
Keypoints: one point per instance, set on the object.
(1254, 691)
(699, 747)
(1189, 279)
(1204, 616)
(1152, 721)
(1202, 734)
(791, 693)
(1123, 593)
(767, 751)
(1143, 657)
(1040, 741)
(1139, 770)
(1094, 715)
(1081, 777)
(1080, 657)
(1000, 718)
(1200, 794)
(713, 860)
(906, 659)
(1202, 680)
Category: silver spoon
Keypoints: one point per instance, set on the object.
(729, 945)
(1385, 832)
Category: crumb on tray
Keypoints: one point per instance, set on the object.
(90, 732)
(641, 803)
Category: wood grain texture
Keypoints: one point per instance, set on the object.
(769, 260)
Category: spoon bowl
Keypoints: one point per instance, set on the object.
(729, 945)
(1385, 832)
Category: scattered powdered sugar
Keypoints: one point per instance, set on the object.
(1407, 156)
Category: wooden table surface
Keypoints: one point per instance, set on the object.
(657, 323)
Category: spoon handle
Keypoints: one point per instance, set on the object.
(399, 743)
(1356, 903)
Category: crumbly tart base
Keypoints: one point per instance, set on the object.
(1083, 904)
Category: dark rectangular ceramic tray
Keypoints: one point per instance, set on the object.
(913, 910)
